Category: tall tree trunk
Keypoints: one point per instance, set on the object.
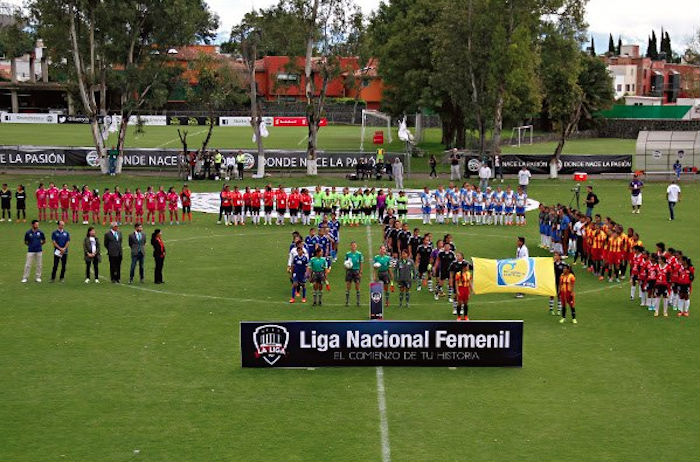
(498, 119)
(311, 115)
(256, 113)
(210, 130)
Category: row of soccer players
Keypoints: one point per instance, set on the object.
(72, 204)
(605, 248)
(305, 207)
(471, 205)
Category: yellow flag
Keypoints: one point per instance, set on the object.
(525, 275)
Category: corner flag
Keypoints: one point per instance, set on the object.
(525, 275)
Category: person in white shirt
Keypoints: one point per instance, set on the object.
(484, 175)
(524, 178)
(521, 252)
(673, 194)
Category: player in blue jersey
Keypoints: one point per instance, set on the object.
(509, 205)
(498, 207)
(520, 203)
(334, 232)
(440, 204)
(311, 242)
(298, 268)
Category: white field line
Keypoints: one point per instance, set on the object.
(162, 145)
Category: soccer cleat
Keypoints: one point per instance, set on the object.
(574, 321)
(97, 281)
(552, 312)
(303, 300)
(418, 289)
(38, 279)
(454, 310)
(291, 300)
(686, 314)
(466, 318)
(24, 281)
(436, 296)
(391, 287)
(665, 315)
(600, 278)
(680, 314)
(459, 318)
(328, 287)
(87, 281)
(562, 320)
(656, 314)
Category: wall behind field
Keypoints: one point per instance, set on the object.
(630, 128)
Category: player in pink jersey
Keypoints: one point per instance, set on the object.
(74, 204)
(128, 201)
(139, 200)
(95, 206)
(86, 203)
(161, 201)
(41, 201)
(173, 199)
(107, 214)
(117, 204)
(151, 205)
(52, 196)
(64, 201)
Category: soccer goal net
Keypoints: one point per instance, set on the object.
(372, 118)
(521, 135)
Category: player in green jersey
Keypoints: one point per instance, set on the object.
(353, 271)
(382, 264)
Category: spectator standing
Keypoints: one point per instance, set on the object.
(677, 169)
(112, 156)
(206, 158)
(158, 255)
(240, 164)
(433, 163)
(380, 166)
(591, 201)
(484, 175)
(673, 194)
(34, 240)
(137, 244)
(218, 158)
(113, 244)
(5, 202)
(636, 186)
(93, 256)
(60, 239)
(524, 178)
(21, 203)
(454, 165)
(397, 173)
(498, 167)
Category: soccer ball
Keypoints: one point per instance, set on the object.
(348, 264)
(393, 263)
(377, 265)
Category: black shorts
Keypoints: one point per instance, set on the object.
(293, 212)
(684, 290)
(318, 210)
(318, 277)
(238, 209)
(352, 275)
(383, 276)
(327, 210)
(402, 213)
(307, 212)
(661, 290)
(650, 285)
(255, 210)
(367, 210)
(344, 212)
(186, 209)
(444, 274)
(281, 211)
(268, 209)
(404, 284)
(247, 208)
(227, 209)
(422, 269)
(634, 279)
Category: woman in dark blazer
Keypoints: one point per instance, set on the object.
(158, 255)
(91, 251)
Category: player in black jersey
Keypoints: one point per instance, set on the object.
(423, 252)
(458, 265)
(414, 241)
(404, 237)
(559, 266)
(444, 259)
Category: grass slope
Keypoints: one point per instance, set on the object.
(96, 372)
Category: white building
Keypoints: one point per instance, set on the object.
(624, 79)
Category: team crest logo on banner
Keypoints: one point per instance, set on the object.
(270, 342)
(533, 276)
(517, 273)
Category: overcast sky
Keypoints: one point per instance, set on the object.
(633, 19)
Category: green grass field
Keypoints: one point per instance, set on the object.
(293, 138)
(144, 372)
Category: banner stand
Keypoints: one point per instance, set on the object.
(376, 300)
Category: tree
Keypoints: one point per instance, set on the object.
(126, 43)
(652, 49)
(619, 45)
(217, 86)
(692, 49)
(592, 48)
(611, 46)
(16, 41)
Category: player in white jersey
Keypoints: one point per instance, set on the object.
(498, 207)
(453, 198)
(467, 203)
(425, 205)
(509, 206)
(520, 202)
(479, 206)
(440, 204)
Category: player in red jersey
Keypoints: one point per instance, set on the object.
(652, 268)
(107, 211)
(305, 200)
(246, 204)
(663, 281)
(173, 199)
(139, 200)
(686, 275)
(74, 204)
(634, 272)
(95, 206)
(161, 202)
(226, 207)
(86, 203)
(64, 201)
(237, 203)
(643, 276)
(268, 203)
(280, 204)
(52, 197)
(117, 203)
(255, 204)
(186, 200)
(128, 203)
(41, 201)
(150, 205)
(293, 200)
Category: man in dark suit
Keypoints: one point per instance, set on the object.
(137, 243)
(113, 244)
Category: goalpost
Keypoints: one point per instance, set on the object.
(522, 133)
(370, 113)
